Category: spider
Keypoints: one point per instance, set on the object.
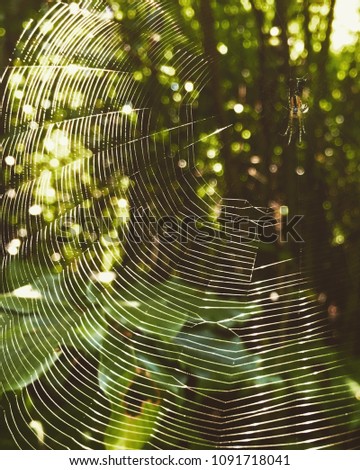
(296, 108)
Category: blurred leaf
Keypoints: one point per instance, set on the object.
(134, 397)
(29, 347)
(21, 304)
(117, 365)
(162, 309)
(88, 333)
(158, 310)
(217, 357)
(34, 323)
(126, 432)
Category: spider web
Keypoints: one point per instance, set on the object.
(200, 343)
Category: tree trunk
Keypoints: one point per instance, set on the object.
(206, 19)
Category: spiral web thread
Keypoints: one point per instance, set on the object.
(200, 345)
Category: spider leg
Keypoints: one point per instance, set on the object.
(303, 126)
(302, 129)
(303, 110)
(290, 129)
(290, 135)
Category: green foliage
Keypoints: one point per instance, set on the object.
(140, 371)
(33, 329)
(28, 347)
(141, 305)
(133, 396)
(138, 363)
